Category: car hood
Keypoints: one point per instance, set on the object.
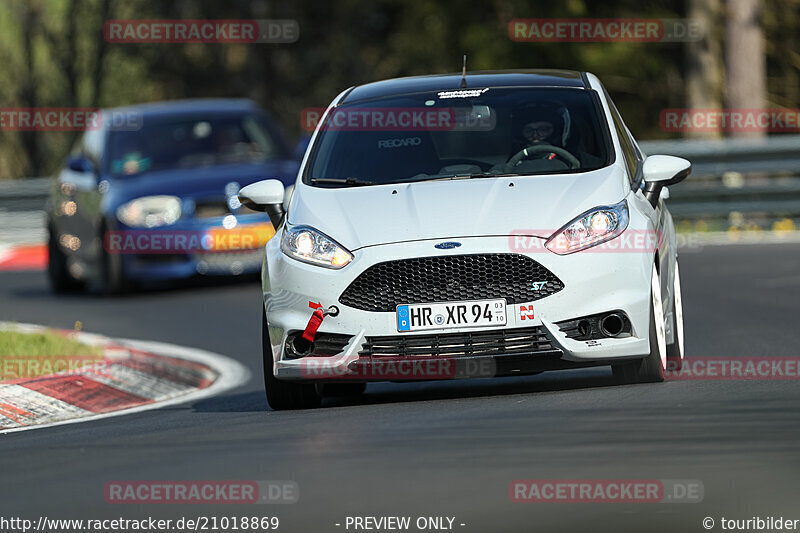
(522, 205)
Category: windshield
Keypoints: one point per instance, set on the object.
(460, 133)
(190, 142)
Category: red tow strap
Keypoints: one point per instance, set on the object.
(313, 325)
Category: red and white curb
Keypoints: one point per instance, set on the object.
(132, 376)
(23, 257)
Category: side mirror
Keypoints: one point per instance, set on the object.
(79, 163)
(660, 171)
(267, 196)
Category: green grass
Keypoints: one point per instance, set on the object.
(38, 354)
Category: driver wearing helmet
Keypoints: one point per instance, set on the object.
(541, 128)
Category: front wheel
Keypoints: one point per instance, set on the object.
(113, 280)
(283, 395)
(651, 368)
(61, 281)
(675, 351)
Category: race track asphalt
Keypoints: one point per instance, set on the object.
(437, 448)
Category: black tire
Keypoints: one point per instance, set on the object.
(335, 390)
(113, 280)
(675, 351)
(284, 395)
(61, 281)
(649, 369)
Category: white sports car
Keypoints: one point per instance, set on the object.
(472, 225)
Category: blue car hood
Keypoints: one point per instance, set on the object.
(200, 182)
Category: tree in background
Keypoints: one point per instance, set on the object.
(54, 54)
(704, 65)
(50, 60)
(745, 59)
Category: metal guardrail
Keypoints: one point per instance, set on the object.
(738, 179)
(22, 218)
(736, 182)
(777, 155)
(24, 194)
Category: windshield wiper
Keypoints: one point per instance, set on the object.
(439, 177)
(356, 182)
(482, 175)
(345, 182)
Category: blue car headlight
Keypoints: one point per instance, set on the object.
(591, 228)
(150, 211)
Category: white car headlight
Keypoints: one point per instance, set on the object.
(150, 211)
(311, 246)
(589, 229)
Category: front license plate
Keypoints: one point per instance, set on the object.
(416, 317)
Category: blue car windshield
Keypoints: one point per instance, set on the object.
(191, 142)
(468, 132)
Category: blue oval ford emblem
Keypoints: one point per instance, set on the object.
(447, 245)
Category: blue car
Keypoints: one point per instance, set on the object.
(149, 192)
